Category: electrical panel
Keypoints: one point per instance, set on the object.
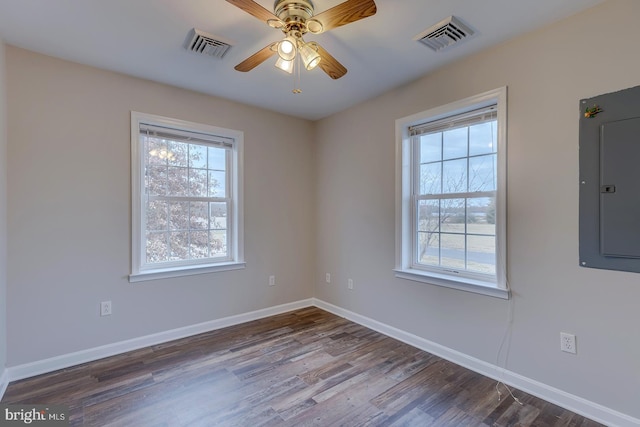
(610, 181)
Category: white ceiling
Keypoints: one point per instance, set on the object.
(145, 38)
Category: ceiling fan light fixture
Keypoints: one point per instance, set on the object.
(287, 48)
(310, 57)
(295, 18)
(285, 65)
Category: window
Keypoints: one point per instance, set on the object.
(451, 188)
(186, 198)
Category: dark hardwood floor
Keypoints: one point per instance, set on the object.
(303, 368)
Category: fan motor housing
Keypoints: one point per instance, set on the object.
(290, 11)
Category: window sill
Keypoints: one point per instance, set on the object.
(468, 285)
(166, 273)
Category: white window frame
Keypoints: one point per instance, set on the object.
(405, 229)
(140, 271)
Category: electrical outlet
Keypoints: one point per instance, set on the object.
(350, 284)
(105, 308)
(568, 342)
(327, 277)
(272, 280)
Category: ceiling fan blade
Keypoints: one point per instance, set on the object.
(346, 13)
(329, 64)
(253, 8)
(257, 58)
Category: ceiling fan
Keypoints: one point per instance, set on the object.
(295, 18)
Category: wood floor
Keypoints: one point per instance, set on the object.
(303, 368)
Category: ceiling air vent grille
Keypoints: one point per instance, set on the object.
(444, 34)
(206, 44)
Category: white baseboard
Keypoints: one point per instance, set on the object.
(553, 395)
(66, 360)
(566, 400)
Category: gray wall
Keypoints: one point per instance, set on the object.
(69, 210)
(547, 73)
(3, 213)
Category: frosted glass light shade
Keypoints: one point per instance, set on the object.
(287, 48)
(310, 58)
(285, 65)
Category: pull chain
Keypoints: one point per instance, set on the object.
(296, 75)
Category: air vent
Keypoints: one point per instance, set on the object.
(206, 44)
(445, 34)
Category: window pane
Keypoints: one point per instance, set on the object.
(156, 151)
(218, 242)
(157, 215)
(198, 182)
(217, 184)
(452, 251)
(431, 178)
(217, 158)
(156, 180)
(481, 216)
(454, 143)
(483, 173)
(179, 215)
(179, 245)
(186, 218)
(157, 248)
(218, 212)
(454, 176)
(429, 249)
(178, 153)
(197, 156)
(452, 215)
(177, 181)
(198, 216)
(481, 254)
(429, 215)
(431, 147)
(199, 244)
(483, 138)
